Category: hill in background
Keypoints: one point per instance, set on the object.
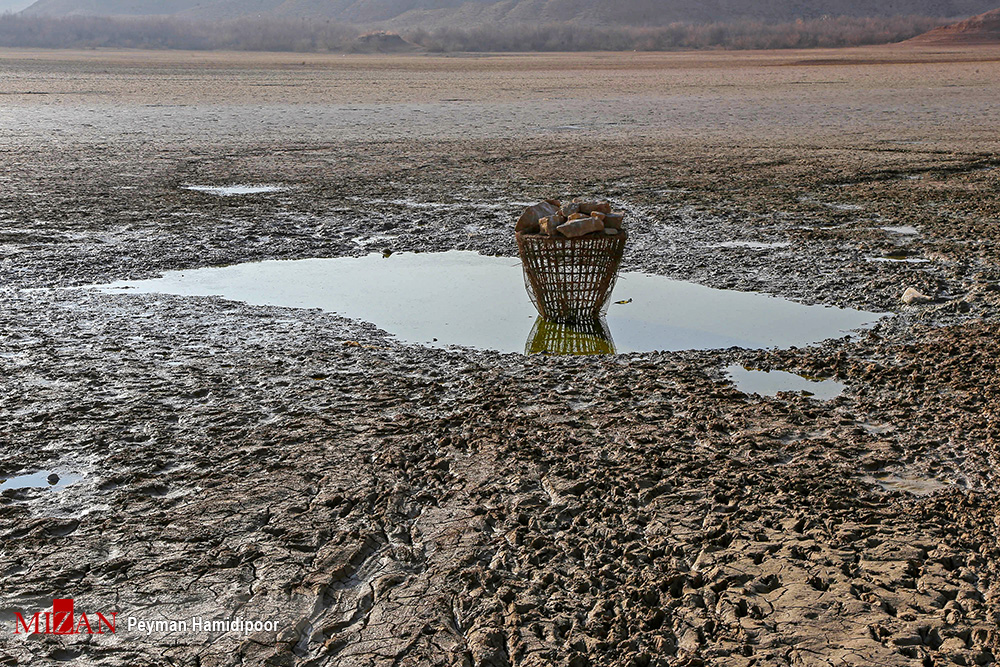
(982, 29)
(487, 25)
(13, 5)
(462, 13)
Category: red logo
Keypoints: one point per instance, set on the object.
(62, 621)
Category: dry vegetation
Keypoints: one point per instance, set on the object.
(822, 33)
(328, 36)
(160, 32)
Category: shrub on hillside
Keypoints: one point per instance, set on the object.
(262, 34)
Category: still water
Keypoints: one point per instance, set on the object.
(770, 383)
(233, 190)
(44, 479)
(463, 298)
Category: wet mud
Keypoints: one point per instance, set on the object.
(391, 504)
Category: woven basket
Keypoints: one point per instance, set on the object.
(570, 280)
(592, 337)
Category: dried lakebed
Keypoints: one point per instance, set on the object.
(392, 503)
(403, 505)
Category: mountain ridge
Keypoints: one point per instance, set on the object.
(458, 13)
(981, 29)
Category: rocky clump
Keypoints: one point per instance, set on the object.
(912, 296)
(573, 219)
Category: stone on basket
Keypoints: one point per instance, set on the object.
(528, 222)
(580, 227)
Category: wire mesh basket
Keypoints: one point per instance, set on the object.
(570, 280)
(591, 337)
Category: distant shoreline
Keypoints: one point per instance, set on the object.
(307, 36)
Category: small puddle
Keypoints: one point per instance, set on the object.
(45, 479)
(754, 245)
(770, 383)
(463, 298)
(912, 484)
(465, 206)
(904, 230)
(898, 259)
(231, 190)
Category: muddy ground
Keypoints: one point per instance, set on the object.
(387, 504)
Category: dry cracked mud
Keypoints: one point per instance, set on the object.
(387, 504)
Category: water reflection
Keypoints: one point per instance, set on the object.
(589, 337)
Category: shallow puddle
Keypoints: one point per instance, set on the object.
(44, 479)
(904, 230)
(230, 190)
(770, 383)
(912, 484)
(899, 260)
(463, 298)
(753, 245)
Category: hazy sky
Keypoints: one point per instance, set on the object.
(13, 5)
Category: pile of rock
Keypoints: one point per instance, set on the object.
(570, 220)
